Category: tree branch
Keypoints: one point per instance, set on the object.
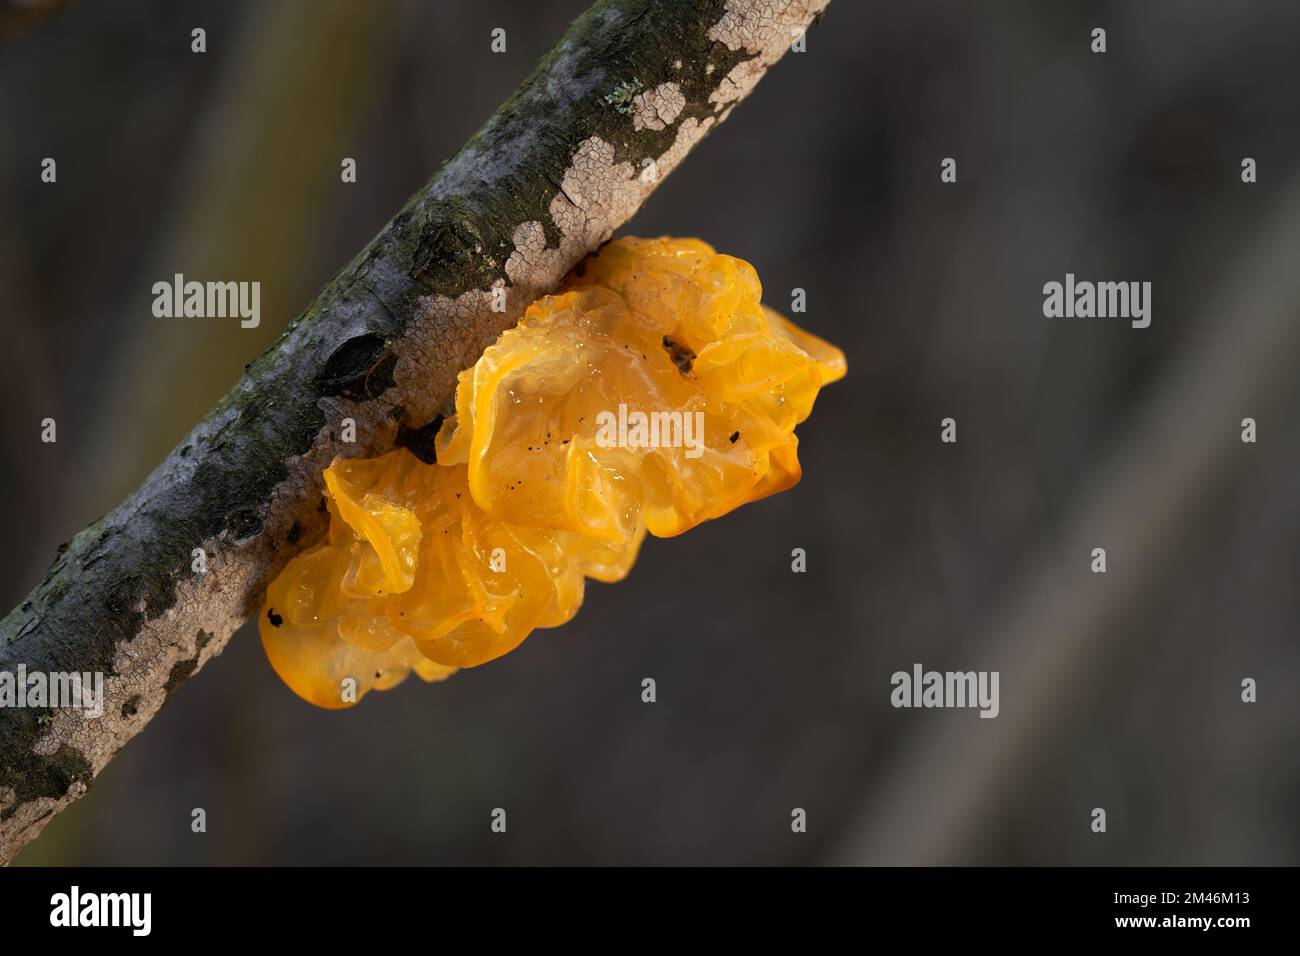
(628, 91)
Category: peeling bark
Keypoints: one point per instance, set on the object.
(631, 87)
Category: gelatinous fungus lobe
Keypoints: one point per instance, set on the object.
(652, 392)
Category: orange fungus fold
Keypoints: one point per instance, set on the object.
(654, 391)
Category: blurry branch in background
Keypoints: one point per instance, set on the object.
(26, 358)
(19, 15)
(265, 160)
(1053, 625)
(259, 176)
(627, 93)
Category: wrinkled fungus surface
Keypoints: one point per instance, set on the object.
(651, 393)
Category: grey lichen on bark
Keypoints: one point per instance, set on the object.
(610, 111)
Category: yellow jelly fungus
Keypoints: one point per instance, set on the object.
(652, 392)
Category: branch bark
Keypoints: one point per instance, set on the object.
(612, 109)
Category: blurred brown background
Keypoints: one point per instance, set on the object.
(1119, 691)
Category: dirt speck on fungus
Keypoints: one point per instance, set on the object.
(682, 356)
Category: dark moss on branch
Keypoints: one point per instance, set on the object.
(48, 777)
(182, 670)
